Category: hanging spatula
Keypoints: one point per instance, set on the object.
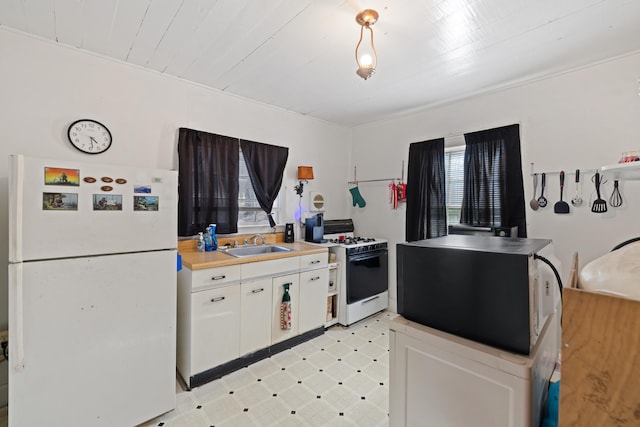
(599, 204)
(561, 207)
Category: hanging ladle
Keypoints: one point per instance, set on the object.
(577, 201)
(542, 202)
(534, 203)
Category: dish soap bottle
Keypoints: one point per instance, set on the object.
(212, 233)
(208, 244)
(200, 242)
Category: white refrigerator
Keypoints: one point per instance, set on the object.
(92, 293)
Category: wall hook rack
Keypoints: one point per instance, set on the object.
(356, 181)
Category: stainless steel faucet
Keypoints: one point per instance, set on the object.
(259, 236)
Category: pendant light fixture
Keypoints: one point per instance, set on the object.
(366, 57)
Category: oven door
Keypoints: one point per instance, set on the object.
(367, 275)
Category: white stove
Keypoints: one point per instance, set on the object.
(363, 288)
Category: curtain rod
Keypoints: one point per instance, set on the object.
(456, 135)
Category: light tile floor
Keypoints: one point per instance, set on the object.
(340, 378)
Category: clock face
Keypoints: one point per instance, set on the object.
(89, 136)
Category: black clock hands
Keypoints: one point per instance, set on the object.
(92, 141)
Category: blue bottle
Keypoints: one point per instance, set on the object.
(212, 233)
(208, 243)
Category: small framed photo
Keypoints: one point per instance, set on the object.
(62, 176)
(107, 202)
(145, 203)
(59, 201)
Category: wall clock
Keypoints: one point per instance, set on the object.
(89, 136)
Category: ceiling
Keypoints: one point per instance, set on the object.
(299, 54)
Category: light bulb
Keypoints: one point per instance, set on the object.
(366, 60)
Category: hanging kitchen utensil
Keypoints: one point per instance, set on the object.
(599, 204)
(542, 201)
(285, 309)
(561, 207)
(534, 203)
(577, 201)
(393, 195)
(616, 199)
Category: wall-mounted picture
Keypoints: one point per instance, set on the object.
(61, 176)
(59, 201)
(107, 202)
(145, 203)
(142, 189)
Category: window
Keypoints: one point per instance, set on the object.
(250, 213)
(454, 182)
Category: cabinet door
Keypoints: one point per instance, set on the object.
(215, 330)
(255, 324)
(314, 286)
(278, 334)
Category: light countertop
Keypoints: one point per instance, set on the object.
(194, 260)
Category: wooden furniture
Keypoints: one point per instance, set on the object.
(600, 383)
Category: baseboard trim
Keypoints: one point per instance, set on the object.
(244, 361)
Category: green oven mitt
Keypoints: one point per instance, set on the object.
(357, 197)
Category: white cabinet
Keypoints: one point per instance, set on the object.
(313, 299)
(277, 333)
(232, 311)
(255, 322)
(313, 261)
(271, 268)
(439, 379)
(215, 329)
(213, 277)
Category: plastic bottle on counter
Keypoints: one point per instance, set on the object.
(200, 243)
(208, 243)
(212, 233)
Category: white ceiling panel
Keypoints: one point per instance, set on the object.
(157, 19)
(12, 15)
(300, 54)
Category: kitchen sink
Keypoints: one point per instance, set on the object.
(246, 251)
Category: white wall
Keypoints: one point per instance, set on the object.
(44, 87)
(583, 119)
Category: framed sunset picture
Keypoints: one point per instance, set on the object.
(62, 176)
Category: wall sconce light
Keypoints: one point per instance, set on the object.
(366, 58)
(305, 173)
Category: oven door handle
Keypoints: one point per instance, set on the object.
(368, 255)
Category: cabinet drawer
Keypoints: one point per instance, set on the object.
(214, 277)
(269, 268)
(314, 261)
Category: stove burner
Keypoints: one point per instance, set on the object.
(352, 240)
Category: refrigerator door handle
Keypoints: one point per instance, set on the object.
(17, 335)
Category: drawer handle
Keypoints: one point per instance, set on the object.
(257, 291)
(217, 299)
(218, 277)
(317, 261)
(315, 278)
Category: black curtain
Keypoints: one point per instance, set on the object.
(493, 188)
(426, 205)
(208, 182)
(265, 164)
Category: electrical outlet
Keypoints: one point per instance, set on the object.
(4, 336)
